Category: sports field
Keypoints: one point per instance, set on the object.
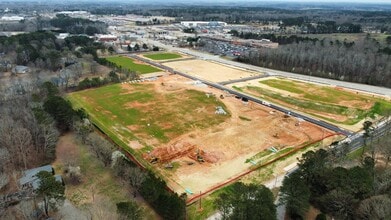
(163, 56)
(174, 120)
(333, 104)
(132, 65)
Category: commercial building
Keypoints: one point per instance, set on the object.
(190, 24)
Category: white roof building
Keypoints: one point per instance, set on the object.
(29, 178)
(203, 23)
(12, 18)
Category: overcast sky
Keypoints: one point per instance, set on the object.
(260, 1)
(217, 2)
(210, 1)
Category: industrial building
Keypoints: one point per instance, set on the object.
(203, 23)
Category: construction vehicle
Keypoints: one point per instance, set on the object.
(199, 157)
(154, 160)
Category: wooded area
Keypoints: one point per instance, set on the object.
(78, 25)
(362, 61)
(339, 187)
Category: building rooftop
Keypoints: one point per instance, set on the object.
(29, 176)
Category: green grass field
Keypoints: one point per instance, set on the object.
(334, 105)
(140, 113)
(163, 56)
(125, 62)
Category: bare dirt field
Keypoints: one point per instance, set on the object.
(210, 71)
(185, 130)
(226, 147)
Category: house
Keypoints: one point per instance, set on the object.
(30, 180)
(106, 38)
(20, 70)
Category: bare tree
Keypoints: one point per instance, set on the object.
(83, 128)
(65, 75)
(26, 209)
(136, 178)
(375, 207)
(93, 67)
(101, 147)
(23, 143)
(50, 137)
(4, 158)
(3, 180)
(382, 181)
(384, 144)
(102, 209)
(27, 132)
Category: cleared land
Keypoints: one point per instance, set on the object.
(210, 71)
(334, 104)
(138, 112)
(173, 120)
(163, 56)
(132, 65)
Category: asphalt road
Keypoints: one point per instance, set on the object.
(355, 140)
(243, 79)
(361, 87)
(251, 98)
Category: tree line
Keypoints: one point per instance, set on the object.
(280, 39)
(78, 25)
(241, 201)
(362, 62)
(42, 50)
(144, 182)
(341, 188)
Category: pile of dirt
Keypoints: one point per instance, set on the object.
(168, 153)
(177, 150)
(209, 157)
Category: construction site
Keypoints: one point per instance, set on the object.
(211, 71)
(198, 138)
(203, 158)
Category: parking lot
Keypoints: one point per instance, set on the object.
(223, 48)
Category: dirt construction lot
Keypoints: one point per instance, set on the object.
(210, 71)
(227, 146)
(185, 128)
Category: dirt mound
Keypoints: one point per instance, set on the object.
(179, 149)
(209, 157)
(168, 153)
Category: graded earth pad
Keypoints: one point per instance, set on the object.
(132, 65)
(343, 107)
(194, 136)
(210, 71)
(162, 56)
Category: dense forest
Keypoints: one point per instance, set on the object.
(78, 25)
(365, 61)
(43, 50)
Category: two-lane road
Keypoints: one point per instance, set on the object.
(249, 97)
(356, 86)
